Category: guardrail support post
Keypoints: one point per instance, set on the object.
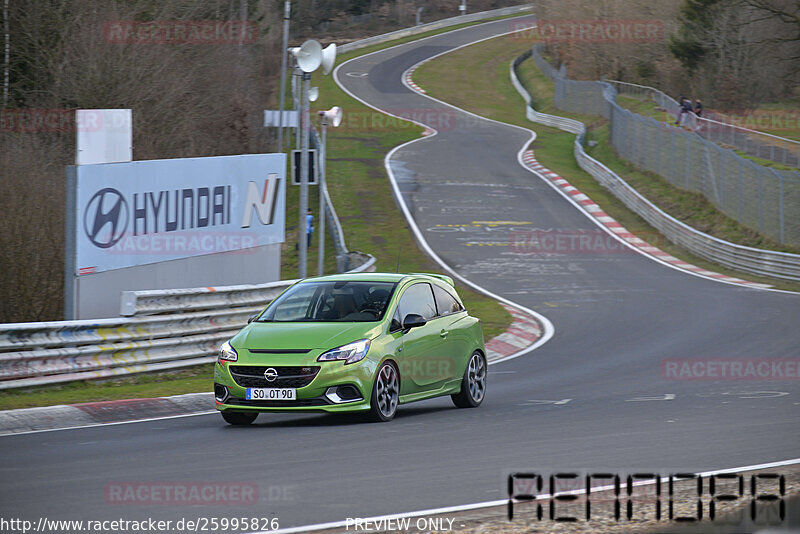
(780, 206)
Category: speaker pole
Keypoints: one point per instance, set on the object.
(302, 239)
(287, 7)
(321, 185)
(298, 86)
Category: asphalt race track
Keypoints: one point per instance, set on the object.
(616, 315)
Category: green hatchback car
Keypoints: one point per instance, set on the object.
(361, 342)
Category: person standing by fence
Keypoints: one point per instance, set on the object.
(309, 226)
(685, 107)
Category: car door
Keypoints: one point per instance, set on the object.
(449, 324)
(421, 345)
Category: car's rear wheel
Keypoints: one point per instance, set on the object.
(385, 394)
(473, 384)
(239, 418)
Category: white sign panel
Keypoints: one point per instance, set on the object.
(104, 136)
(146, 212)
(273, 118)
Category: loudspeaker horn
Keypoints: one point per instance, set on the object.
(309, 55)
(328, 58)
(333, 116)
(313, 94)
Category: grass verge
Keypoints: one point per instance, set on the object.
(372, 222)
(481, 72)
(139, 386)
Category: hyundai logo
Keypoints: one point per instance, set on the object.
(106, 218)
(270, 375)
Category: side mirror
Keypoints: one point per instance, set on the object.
(413, 320)
(252, 318)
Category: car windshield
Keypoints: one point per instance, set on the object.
(342, 301)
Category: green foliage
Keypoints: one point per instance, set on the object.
(696, 17)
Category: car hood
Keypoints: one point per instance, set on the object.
(303, 335)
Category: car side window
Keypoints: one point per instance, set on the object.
(397, 324)
(445, 302)
(417, 299)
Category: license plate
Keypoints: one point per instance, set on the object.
(271, 394)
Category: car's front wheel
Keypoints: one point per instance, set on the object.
(473, 384)
(385, 394)
(239, 418)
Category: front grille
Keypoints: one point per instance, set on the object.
(280, 351)
(252, 376)
(233, 401)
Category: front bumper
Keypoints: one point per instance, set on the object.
(320, 394)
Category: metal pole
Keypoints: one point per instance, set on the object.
(760, 202)
(7, 55)
(739, 192)
(780, 208)
(286, 10)
(297, 77)
(321, 225)
(302, 239)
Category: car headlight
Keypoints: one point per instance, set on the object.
(350, 353)
(228, 353)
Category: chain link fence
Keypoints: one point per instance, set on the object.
(721, 129)
(759, 197)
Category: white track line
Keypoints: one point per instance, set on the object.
(547, 327)
(521, 160)
(503, 502)
(418, 234)
(92, 425)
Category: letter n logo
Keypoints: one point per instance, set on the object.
(264, 203)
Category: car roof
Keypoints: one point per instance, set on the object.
(377, 277)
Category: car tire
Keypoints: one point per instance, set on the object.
(239, 418)
(385, 394)
(473, 383)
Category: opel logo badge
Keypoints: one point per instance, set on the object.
(270, 375)
(106, 218)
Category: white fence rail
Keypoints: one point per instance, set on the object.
(763, 198)
(721, 129)
(757, 261)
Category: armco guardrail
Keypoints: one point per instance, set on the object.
(762, 262)
(137, 303)
(163, 329)
(429, 26)
(166, 329)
